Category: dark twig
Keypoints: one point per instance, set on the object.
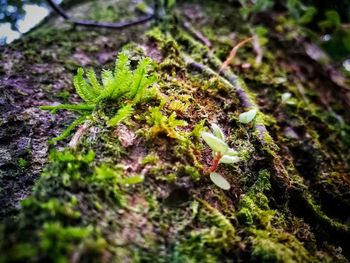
(88, 23)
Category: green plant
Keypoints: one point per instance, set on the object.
(249, 7)
(22, 163)
(247, 116)
(285, 97)
(301, 13)
(122, 83)
(222, 154)
(164, 124)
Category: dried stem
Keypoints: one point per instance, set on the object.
(215, 163)
(233, 53)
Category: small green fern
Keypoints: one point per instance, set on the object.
(122, 83)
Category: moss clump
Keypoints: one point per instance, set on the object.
(278, 246)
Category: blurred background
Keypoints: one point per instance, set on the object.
(324, 22)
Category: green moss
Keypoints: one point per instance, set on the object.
(190, 171)
(22, 163)
(151, 158)
(207, 244)
(323, 219)
(163, 124)
(244, 216)
(54, 207)
(278, 246)
(253, 207)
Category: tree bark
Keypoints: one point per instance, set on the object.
(289, 198)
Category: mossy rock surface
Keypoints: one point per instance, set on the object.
(289, 196)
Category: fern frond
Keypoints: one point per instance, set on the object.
(139, 74)
(108, 81)
(83, 89)
(72, 107)
(141, 92)
(122, 114)
(107, 77)
(69, 129)
(94, 82)
(121, 63)
(122, 76)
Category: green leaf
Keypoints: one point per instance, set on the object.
(216, 144)
(231, 152)
(132, 180)
(308, 15)
(334, 17)
(96, 87)
(247, 117)
(83, 89)
(108, 87)
(72, 107)
(122, 114)
(217, 131)
(122, 63)
(332, 20)
(229, 159)
(122, 76)
(69, 129)
(140, 79)
(220, 181)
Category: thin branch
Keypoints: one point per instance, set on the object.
(258, 50)
(76, 137)
(197, 34)
(233, 53)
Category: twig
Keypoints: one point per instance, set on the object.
(233, 53)
(215, 163)
(187, 25)
(76, 137)
(258, 50)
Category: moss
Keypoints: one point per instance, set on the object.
(207, 244)
(277, 246)
(22, 163)
(151, 158)
(244, 216)
(190, 171)
(325, 220)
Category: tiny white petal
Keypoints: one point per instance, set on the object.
(216, 144)
(248, 116)
(229, 159)
(217, 131)
(286, 96)
(220, 181)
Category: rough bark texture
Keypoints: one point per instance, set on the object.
(289, 199)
